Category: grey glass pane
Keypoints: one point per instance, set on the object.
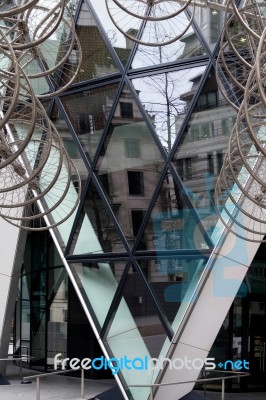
(210, 23)
(166, 98)
(95, 232)
(171, 278)
(118, 41)
(129, 165)
(172, 224)
(98, 284)
(203, 148)
(88, 112)
(135, 331)
(185, 47)
(96, 58)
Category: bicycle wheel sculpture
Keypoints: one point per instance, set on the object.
(241, 187)
(36, 174)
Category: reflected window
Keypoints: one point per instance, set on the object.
(126, 110)
(85, 123)
(207, 100)
(135, 183)
(137, 218)
(132, 148)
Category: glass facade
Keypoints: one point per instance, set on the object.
(148, 130)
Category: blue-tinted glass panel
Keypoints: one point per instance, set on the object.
(98, 284)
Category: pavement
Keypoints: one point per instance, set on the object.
(234, 396)
(65, 387)
(54, 387)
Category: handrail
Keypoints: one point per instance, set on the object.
(20, 358)
(63, 371)
(201, 380)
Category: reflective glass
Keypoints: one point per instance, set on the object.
(98, 283)
(172, 224)
(64, 229)
(166, 98)
(171, 278)
(135, 330)
(118, 41)
(129, 165)
(210, 23)
(95, 232)
(96, 58)
(185, 47)
(199, 157)
(88, 112)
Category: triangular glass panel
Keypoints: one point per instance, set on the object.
(185, 47)
(210, 22)
(88, 112)
(121, 44)
(199, 156)
(64, 229)
(95, 232)
(171, 279)
(94, 278)
(135, 331)
(97, 60)
(166, 98)
(129, 165)
(172, 225)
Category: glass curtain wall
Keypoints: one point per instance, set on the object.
(148, 130)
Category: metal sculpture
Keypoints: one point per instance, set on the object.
(241, 187)
(35, 171)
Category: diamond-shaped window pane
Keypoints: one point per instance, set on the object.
(172, 224)
(173, 280)
(129, 165)
(135, 331)
(95, 232)
(98, 284)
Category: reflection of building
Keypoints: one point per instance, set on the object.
(139, 248)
